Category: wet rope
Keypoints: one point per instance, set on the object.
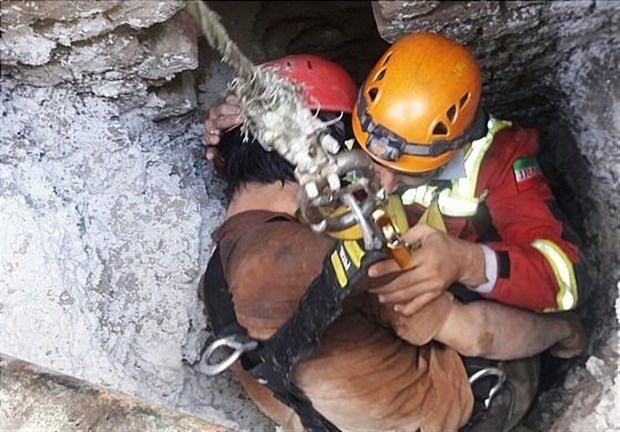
(271, 105)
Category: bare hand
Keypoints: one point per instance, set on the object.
(574, 344)
(220, 118)
(440, 261)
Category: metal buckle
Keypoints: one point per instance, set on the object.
(232, 341)
(490, 371)
(321, 194)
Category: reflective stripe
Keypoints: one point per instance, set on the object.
(356, 253)
(460, 200)
(474, 155)
(338, 269)
(562, 267)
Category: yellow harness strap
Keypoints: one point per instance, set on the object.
(432, 216)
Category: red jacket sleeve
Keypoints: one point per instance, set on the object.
(536, 251)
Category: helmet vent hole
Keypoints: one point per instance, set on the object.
(387, 59)
(372, 93)
(380, 75)
(289, 65)
(309, 65)
(451, 113)
(440, 129)
(464, 100)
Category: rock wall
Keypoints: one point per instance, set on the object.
(106, 201)
(133, 51)
(343, 31)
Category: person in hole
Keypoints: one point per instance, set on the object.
(501, 234)
(377, 367)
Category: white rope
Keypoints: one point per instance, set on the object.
(271, 105)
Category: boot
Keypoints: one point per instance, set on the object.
(511, 403)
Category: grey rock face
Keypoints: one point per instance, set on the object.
(112, 49)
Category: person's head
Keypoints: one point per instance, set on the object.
(326, 88)
(418, 106)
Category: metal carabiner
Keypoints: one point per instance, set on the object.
(490, 371)
(321, 195)
(230, 342)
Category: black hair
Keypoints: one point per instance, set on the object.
(248, 161)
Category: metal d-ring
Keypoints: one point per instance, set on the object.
(490, 371)
(230, 342)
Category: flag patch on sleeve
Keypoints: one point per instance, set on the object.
(527, 173)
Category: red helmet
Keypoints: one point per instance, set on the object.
(327, 86)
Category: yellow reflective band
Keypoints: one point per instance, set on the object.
(451, 205)
(396, 211)
(466, 187)
(338, 269)
(460, 200)
(432, 217)
(562, 267)
(355, 252)
(421, 194)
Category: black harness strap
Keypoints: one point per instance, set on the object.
(218, 300)
(273, 362)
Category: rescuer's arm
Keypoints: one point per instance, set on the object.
(533, 262)
(538, 262)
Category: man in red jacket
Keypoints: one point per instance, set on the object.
(418, 115)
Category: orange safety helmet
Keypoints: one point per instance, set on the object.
(419, 104)
(326, 85)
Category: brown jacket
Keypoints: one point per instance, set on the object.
(364, 378)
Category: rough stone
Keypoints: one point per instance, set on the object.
(22, 45)
(17, 13)
(96, 55)
(112, 49)
(171, 48)
(174, 99)
(106, 222)
(144, 13)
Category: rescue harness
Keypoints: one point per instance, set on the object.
(272, 362)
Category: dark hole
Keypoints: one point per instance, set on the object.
(451, 113)
(440, 129)
(380, 75)
(463, 100)
(372, 93)
(387, 59)
(289, 65)
(309, 65)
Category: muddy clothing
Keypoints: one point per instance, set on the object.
(504, 202)
(364, 377)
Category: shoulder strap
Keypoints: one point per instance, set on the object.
(273, 362)
(218, 302)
